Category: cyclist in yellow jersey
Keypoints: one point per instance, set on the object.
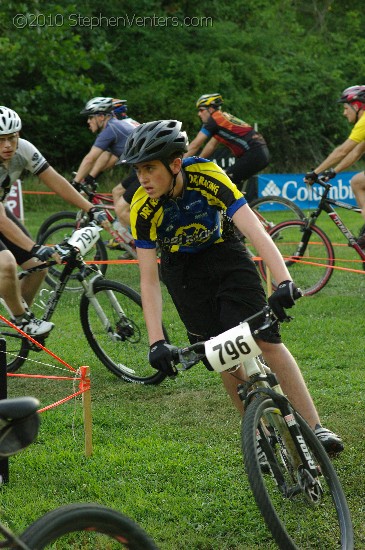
(351, 149)
(211, 278)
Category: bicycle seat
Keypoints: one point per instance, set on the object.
(18, 407)
(19, 424)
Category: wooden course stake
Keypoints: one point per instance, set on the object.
(86, 403)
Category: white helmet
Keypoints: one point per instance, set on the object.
(98, 105)
(9, 121)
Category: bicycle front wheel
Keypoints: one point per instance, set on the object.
(86, 527)
(58, 233)
(113, 323)
(299, 511)
(55, 219)
(308, 254)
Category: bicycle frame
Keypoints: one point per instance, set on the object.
(74, 261)
(100, 199)
(326, 204)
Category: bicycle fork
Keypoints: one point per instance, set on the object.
(295, 452)
(286, 433)
(123, 329)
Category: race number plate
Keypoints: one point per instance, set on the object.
(84, 239)
(231, 348)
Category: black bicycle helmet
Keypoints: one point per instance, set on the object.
(157, 140)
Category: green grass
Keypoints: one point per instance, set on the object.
(169, 456)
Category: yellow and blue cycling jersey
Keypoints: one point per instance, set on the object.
(192, 222)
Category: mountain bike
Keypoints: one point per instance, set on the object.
(122, 237)
(110, 313)
(305, 247)
(86, 526)
(61, 224)
(291, 476)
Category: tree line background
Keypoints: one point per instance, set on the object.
(281, 64)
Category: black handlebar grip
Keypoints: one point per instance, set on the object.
(298, 293)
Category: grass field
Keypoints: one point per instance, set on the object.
(169, 456)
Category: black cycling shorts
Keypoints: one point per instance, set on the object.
(252, 162)
(214, 290)
(20, 254)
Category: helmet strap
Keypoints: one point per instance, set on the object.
(170, 193)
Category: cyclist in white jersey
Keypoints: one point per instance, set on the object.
(16, 245)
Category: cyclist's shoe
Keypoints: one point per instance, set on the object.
(33, 326)
(126, 256)
(114, 245)
(330, 441)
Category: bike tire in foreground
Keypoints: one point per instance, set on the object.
(86, 527)
(294, 520)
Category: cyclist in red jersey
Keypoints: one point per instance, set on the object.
(247, 145)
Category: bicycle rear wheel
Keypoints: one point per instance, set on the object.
(55, 235)
(86, 527)
(114, 326)
(299, 513)
(310, 264)
(272, 210)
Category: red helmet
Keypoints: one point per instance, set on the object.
(354, 95)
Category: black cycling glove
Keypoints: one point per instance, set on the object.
(160, 358)
(43, 253)
(311, 177)
(97, 215)
(284, 297)
(329, 174)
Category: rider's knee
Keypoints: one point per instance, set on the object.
(8, 265)
(358, 181)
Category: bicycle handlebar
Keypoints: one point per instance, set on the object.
(189, 356)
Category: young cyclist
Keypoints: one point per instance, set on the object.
(247, 145)
(16, 245)
(351, 149)
(212, 280)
